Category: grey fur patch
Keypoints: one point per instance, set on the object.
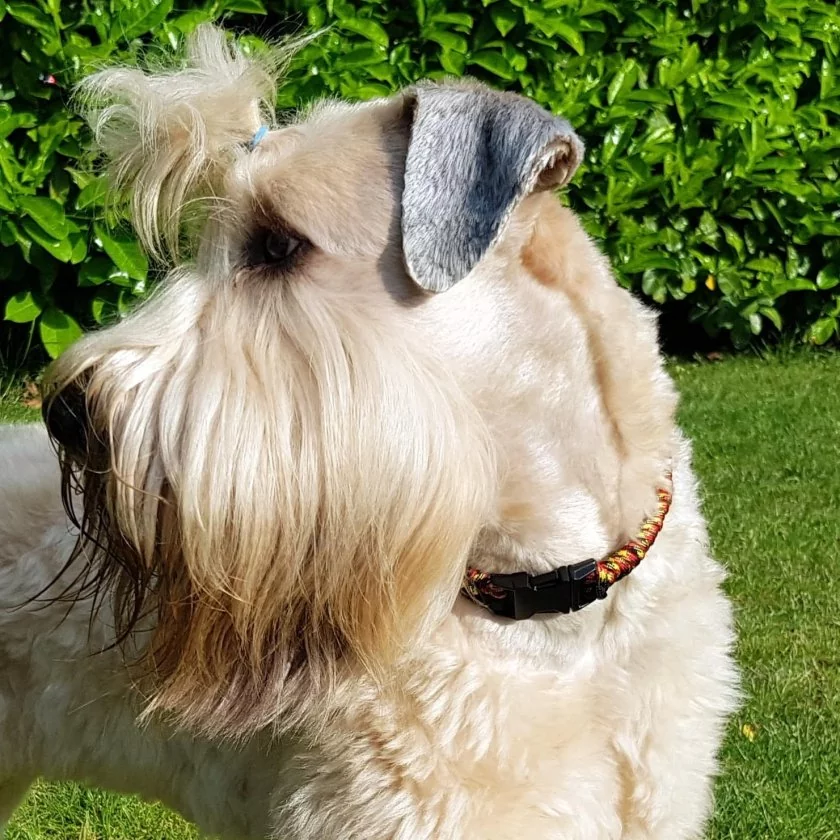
(474, 153)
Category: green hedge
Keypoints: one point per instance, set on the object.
(712, 129)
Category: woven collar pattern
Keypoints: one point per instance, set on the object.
(568, 588)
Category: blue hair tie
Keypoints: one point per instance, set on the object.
(258, 135)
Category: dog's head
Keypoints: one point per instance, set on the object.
(288, 452)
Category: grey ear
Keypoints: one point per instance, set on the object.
(473, 154)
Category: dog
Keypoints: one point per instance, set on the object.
(373, 521)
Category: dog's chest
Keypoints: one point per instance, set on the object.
(466, 751)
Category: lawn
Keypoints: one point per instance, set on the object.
(767, 447)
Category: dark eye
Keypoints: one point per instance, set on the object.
(273, 247)
(279, 247)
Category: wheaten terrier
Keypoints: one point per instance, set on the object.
(326, 551)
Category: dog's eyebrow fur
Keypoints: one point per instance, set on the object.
(267, 216)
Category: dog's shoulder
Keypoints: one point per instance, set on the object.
(26, 457)
(30, 495)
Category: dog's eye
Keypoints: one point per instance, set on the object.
(279, 247)
(273, 247)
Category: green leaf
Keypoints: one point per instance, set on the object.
(571, 36)
(689, 61)
(495, 62)
(79, 248)
(592, 7)
(708, 226)
(456, 18)
(828, 278)
(360, 56)
(369, 29)
(58, 331)
(108, 305)
(22, 308)
(101, 308)
(772, 315)
(652, 95)
(316, 16)
(248, 7)
(725, 113)
(12, 120)
(518, 60)
(49, 215)
(11, 233)
(382, 72)
(147, 15)
(769, 265)
(800, 284)
(642, 262)
(125, 300)
(822, 330)
(448, 40)
(29, 14)
(100, 270)
(453, 62)
(623, 81)
(826, 78)
(125, 253)
(654, 285)
(93, 194)
(187, 22)
(6, 202)
(616, 140)
(504, 18)
(61, 249)
(371, 91)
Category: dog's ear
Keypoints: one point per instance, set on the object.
(473, 154)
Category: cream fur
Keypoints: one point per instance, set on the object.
(294, 471)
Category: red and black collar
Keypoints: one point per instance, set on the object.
(568, 588)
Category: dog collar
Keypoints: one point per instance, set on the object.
(568, 588)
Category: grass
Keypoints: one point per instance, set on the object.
(12, 407)
(73, 812)
(767, 448)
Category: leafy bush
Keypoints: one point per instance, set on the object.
(713, 134)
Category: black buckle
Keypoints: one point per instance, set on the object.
(562, 590)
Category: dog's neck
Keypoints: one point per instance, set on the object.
(594, 407)
(578, 368)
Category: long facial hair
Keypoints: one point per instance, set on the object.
(285, 482)
(275, 482)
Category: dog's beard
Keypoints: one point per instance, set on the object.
(284, 478)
